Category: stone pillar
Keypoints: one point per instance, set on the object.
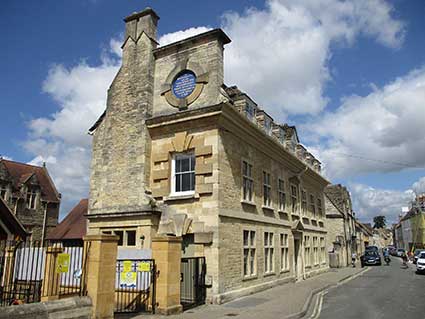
(101, 273)
(51, 281)
(167, 254)
(8, 266)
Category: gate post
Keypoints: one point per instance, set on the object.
(166, 251)
(51, 281)
(8, 270)
(100, 273)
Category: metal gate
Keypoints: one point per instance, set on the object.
(23, 270)
(192, 282)
(135, 286)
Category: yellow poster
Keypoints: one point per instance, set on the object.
(144, 266)
(126, 264)
(62, 264)
(128, 279)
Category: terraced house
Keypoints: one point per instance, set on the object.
(177, 152)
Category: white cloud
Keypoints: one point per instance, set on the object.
(369, 202)
(280, 55)
(180, 35)
(419, 186)
(383, 131)
(61, 139)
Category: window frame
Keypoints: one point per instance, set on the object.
(248, 178)
(319, 207)
(323, 250)
(249, 263)
(304, 208)
(294, 203)
(312, 205)
(31, 199)
(268, 244)
(315, 251)
(281, 195)
(284, 252)
(174, 158)
(124, 237)
(267, 190)
(307, 251)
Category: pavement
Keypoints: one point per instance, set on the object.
(288, 301)
(388, 292)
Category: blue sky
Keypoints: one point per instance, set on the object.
(349, 75)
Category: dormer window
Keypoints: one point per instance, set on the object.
(250, 111)
(281, 135)
(268, 125)
(31, 199)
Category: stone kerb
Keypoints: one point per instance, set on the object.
(166, 251)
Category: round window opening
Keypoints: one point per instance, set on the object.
(184, 84)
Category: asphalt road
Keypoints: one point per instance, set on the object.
(389, 292)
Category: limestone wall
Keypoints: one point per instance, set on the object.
(208, 56)
(120, 160)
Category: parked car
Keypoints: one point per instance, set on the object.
(393, 251)
(416, 254)
(370, 257)
(372, 248)
(400, 252)
(420, 265)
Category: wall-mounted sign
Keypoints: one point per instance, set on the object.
(62, 263)
(184, 84)
(144, 266)
(126, 265)
(128, 279)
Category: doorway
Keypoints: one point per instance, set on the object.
(297, 243)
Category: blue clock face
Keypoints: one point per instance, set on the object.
(184, 84)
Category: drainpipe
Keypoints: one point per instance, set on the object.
(43, 234)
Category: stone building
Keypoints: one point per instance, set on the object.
(340, 223)
(31, 195)
(364, 237)
(410, 233)
(178, 152)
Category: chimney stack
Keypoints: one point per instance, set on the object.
(144, 21)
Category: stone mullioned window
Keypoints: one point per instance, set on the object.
(281, 195)
(284, 252)
(268, 252)
(247, 182)
(267, 190)
(249, 253)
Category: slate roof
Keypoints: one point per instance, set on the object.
(20, 173)
(74, 225)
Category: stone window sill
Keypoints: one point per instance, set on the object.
(284, 271)
(269, 274)
(181, 197)
(245, 202)
(247, 278)
(267, 208)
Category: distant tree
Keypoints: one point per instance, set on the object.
(379, 222)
